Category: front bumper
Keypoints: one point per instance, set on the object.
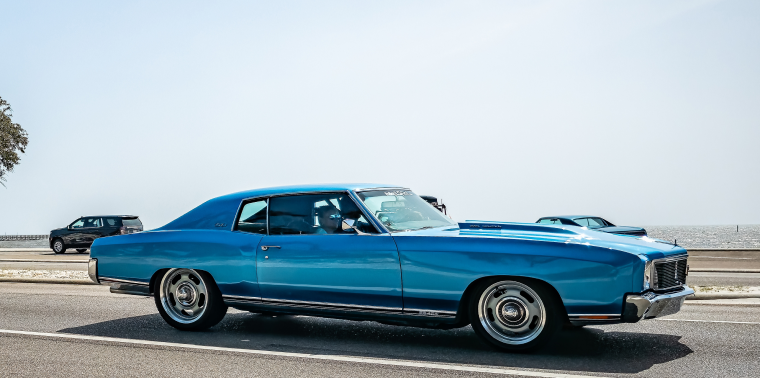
(652, 305)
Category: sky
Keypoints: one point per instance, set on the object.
(645, 112)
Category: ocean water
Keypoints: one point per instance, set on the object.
(748, 236)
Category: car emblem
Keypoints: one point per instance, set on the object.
(675, 274)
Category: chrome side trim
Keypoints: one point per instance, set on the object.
(123, 281)
(422, 311)
(241, 298)
(576, 315)
(309, 303)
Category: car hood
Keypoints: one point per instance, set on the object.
(651, 248)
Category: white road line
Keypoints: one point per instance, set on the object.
(709, 321)
(364, 360)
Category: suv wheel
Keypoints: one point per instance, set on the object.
(81, 250)
(189, 300)
(515, 316)
(58, 246)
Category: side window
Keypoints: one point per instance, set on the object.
(549, 221)
(92, 222)
(314, 214)
(253, 218)
(78, 224)
(581, 221)
(111, 222)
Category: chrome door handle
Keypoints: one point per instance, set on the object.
(266, 247)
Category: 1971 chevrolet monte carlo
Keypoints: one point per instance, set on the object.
(378, 252)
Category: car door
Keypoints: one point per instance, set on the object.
(75, 233)
(93, 229)
(307, 257)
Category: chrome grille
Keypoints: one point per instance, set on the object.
(669, 273)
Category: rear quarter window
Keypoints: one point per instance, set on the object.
(112, 222)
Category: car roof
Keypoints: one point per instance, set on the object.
(116, 216)
(278, 190)
(571, 217)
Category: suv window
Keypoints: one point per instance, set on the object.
(92, 222)
(253, 218)
(131, 222)
(314, 214)
(111, 222)
(78, 224)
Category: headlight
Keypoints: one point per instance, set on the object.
(649, 276)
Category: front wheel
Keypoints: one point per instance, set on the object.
(58, 246)
(515, 316)
(189, 300)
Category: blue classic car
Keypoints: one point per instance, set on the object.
(379, 252)
(592, 222)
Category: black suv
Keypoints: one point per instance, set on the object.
(82, 232)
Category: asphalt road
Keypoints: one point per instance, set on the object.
(691, 344)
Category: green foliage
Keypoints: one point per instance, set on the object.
(12, 140)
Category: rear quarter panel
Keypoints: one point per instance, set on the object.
(230, 257)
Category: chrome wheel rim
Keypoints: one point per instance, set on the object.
(183, 295)
(58, 246)
(511, 312)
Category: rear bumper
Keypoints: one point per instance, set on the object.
(652, 305)
(92, 270)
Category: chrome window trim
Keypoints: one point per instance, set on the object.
(123, 281)
(240, 212)
(359, 204)
(381, 188)
(368, 214)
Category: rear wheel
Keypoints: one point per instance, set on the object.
(514, 315)
(58, 246)
(189, 300)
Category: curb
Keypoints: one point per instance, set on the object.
(47, 281)
(26, 250)
(46, 261)
(711, 270)
(707, 296)
(712, 302)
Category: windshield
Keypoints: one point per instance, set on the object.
(402, 210)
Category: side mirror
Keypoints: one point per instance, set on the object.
(349, 225)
